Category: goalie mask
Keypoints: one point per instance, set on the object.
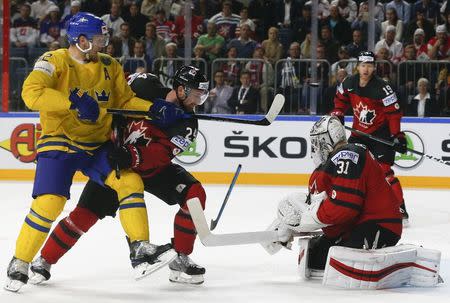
(324, 135)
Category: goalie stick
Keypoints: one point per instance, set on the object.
(273, 112)
(391, 144)
(236, 174)
(209, 239)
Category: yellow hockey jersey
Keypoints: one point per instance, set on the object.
(47, 90)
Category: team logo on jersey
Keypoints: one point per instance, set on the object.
(365, 115)
(102, 96)
(136, 134)
(195, 152)
(410, 160)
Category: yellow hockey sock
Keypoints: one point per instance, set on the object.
(132, 210)
(44, 210)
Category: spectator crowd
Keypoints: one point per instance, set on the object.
(253, 49)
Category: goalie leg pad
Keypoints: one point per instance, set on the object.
(388, 267)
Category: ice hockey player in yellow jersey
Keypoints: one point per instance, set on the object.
(72, 88)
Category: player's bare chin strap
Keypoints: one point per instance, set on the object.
(132, 210)
(44, 210)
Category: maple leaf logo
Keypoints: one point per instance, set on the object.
(136, 134)
(365, 115)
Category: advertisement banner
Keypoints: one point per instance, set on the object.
(275, 154)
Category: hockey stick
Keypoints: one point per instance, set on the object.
(215, 221)
(273, 112)
(391, 144)
(118, 141)
(209, 239)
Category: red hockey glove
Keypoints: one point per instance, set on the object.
(400, 143)
(125, 157)
(337, 113)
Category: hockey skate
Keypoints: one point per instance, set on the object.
(147, 258)
(184, 270)
(40, 271)
(17, 274)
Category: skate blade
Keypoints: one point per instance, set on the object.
(36, 278)
(13, 285)
(180, 277)
(145, 269)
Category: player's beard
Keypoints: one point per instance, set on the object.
(92, 56)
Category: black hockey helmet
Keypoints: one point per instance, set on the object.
(147, 86)
(191, 77)
(366, 57)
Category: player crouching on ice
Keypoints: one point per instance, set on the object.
(148, 150)
(350, 200)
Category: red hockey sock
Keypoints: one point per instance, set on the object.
(184, 229)
(394, 182)
(66, 233)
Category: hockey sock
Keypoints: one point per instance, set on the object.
(67, 233)
(132, 210)
(394, 182)
(44, 210)
(184, 229)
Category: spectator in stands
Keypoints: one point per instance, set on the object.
(135, 19)
(51, 28)
(347, 9)
(273, 49)
(323, 9)
(140, 59)
(199, 59)
(430, 9)
(125, 43)
(392, 19)
(245, 20)
(328, 101)
(384, 66)
(150, 7)
(244, 44)
(420, 45)
(113, 19)
(96, 7)
(40, 9)
(261, 12)
(305, 47)
(301, 25)
(345, 62)
(408, 72)
(423, 104)
(357, 45)
(285, 12)
(261, 76)
(439, 46)
(226, 22)
(205, 8)
(217, 102)
(420, 22)
(362, 20)
(54, 46)
(23, 32)
(75, 7)
(331, 45)
(166, 66)
(111, 49)
(245, 98)
(395, 47)
(164, 28)
(322, 81)
(154, 45)
(231, 68)
(292, 73)
(403, 10)
(212, 41)
(446, 17)
(340, 27)
(197, 29)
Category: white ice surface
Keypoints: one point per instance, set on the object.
(97, 269)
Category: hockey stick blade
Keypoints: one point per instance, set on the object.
(209, 239)
(224, 203)
(391, 144)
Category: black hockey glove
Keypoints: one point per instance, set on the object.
(121, 157)
(400, 143)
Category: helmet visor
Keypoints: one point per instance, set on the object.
(197, 96)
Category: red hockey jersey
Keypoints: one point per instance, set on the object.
(374, 105)
(357, 192)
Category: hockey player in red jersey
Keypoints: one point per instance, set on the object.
(148, 150)
(349, 198)
(376, 111)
